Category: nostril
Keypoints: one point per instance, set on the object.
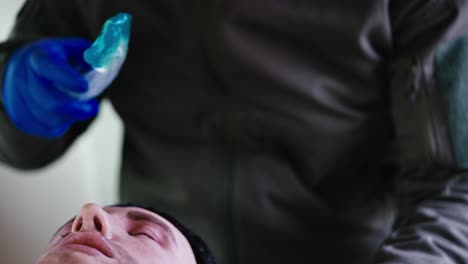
(97, 223)
(79, 224)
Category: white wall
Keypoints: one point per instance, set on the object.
(34, 204)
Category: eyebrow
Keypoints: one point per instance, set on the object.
(140, 216)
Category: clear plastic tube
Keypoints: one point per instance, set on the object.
(106, 55)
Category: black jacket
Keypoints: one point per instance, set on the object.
(274, 127)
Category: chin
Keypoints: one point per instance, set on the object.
(68, 258)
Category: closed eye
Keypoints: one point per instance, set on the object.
(145, 235)
(153, 227)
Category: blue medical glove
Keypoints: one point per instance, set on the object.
(37, 86)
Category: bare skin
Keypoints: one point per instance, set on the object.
(118, 235)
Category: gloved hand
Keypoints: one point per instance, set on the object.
(37, 86)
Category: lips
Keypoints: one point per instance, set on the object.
(88, 239)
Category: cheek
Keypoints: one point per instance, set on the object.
(138, 250)
(51, 247)
(54, 241)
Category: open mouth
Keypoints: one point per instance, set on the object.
(87, 242)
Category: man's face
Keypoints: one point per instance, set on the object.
(118, 235)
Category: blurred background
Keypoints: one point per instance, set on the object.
(34, 204)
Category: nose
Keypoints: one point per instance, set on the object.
(92, 218)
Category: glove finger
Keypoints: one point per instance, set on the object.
(74, 52)
(55, 106)
(42, 94)
(45, 119)
(38, 120)
(24, 108)
(49, 63)
(79, 110)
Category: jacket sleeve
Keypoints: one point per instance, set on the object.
(37, 19)
(432, 186)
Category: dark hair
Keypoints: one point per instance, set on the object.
(200, 249)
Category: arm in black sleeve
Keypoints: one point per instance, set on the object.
(432, 186)
(434, 226)
(37, 19)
